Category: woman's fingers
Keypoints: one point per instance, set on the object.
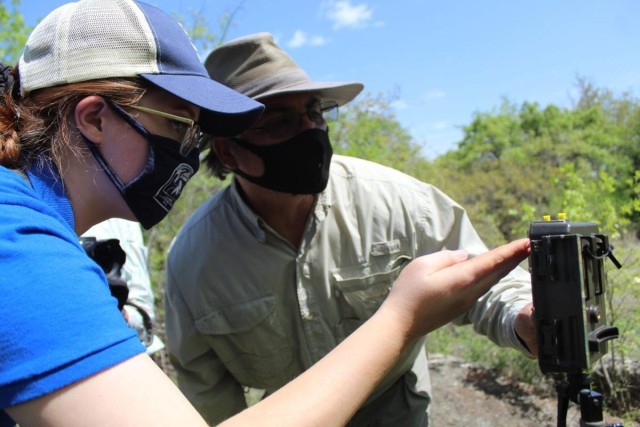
(433, 290)
(485, 269)
(429, 264)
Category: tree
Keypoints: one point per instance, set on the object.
(368, 128)
(198, 27)
(521, 162)
(13, 32)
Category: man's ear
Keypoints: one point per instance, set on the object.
(89, 116)
(223, 150)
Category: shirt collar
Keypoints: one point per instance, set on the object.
(323, 203)
(253, 221)
(257, 224)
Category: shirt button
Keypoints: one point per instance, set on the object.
(306, 270)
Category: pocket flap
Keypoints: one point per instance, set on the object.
(360, 277)
(238, 318)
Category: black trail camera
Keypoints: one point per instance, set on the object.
(569, 285)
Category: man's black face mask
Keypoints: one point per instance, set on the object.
(299, 165)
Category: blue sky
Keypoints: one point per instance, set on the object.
(442, 60)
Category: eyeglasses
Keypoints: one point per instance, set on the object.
(187, 130)
(285, 123)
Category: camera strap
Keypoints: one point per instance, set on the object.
(603, 252)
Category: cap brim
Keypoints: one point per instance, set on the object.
(224, 112)
(341, 93)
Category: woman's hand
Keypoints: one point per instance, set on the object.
(434, 289)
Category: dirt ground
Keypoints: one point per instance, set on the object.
(467, 395)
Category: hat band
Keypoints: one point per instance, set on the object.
(283, 80)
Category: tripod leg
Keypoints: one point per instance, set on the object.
(563, 403)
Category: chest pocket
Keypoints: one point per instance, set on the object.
(252, 342)
(362, 289)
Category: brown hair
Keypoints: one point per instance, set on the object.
(212, 162)
(39, 125)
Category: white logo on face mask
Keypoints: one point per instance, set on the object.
(170, 191)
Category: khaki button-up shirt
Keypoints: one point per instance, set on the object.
(246, 308)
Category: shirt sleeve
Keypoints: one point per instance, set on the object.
(60, 323)
(202, 377)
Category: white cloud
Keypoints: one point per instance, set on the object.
(318, 41)
(343, 14)
(434, 94)
(300, 39)
(442, 125)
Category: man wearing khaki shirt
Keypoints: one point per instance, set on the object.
(274, 271)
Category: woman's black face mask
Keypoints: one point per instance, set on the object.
(299, 165)
(152, 194)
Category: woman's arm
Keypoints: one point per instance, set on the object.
(131, 394)
(430, 292)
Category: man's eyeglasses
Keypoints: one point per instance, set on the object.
(285, 123)
(187, 130)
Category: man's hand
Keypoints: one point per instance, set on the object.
(526, 328)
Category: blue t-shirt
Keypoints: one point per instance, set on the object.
(58, 321)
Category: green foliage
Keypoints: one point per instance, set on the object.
(367, 128)
(488, 137)
(13, 31)
(519, 163)
(464, 342)
(623, 297)
(590, 199)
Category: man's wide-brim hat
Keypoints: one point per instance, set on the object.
(258, 68)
